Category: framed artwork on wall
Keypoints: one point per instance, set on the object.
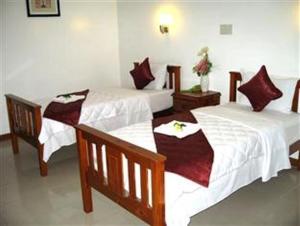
(38, 8)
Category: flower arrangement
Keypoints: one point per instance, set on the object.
(204, 65)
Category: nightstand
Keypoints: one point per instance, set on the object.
(185, 101)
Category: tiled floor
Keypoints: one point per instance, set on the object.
(28, 199)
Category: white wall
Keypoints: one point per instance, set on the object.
(299, 34)
(263, 33)
(2, 69)
(82, 48)
(47, 56)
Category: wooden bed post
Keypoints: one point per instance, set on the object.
(42, 164)
(14, 138)
(40, 147)
(234, 78)
(158, 194)
(174, 71)
(86, 190)
(296, 146)
(296, 98)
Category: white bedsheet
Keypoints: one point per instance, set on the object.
(106, 110)
(246, 146)
(159, 99)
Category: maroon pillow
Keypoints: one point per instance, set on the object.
(142, 74)
(260, 90)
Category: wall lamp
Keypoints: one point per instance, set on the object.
(165, 22)
(164, 29)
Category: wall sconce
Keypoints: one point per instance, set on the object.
(164, 29)
(165, 21)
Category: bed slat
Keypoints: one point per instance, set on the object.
(131, 178)
(114, 170)
(144, 186)
(91, 156)
(99, 163)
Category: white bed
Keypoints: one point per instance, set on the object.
(247, 146)
(108, 109)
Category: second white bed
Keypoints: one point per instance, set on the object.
(108, 109)
(247, 146)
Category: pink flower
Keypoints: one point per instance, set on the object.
(202, 66)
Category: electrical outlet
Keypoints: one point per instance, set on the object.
(225, 29)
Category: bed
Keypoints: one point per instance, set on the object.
(106, 110)
(126, 168)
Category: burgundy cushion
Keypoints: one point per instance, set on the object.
(260, 90)
(142, 74)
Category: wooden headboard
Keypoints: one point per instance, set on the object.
(236, 77)
(174, 72)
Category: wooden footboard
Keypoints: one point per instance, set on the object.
(109, 180)
(25, 122)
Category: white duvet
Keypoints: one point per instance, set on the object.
(247, 146)
(106, 110)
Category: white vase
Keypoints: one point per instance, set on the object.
(204, 83)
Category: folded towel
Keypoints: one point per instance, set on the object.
(65, 99)
(178, 129)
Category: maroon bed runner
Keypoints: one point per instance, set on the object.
(190, 157)
(67, 113)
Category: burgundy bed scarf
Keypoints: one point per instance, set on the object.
(190, 157)
(67, 113)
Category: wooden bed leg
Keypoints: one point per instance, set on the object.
(87, 198)
(158, 188)
(14, 143)
(86, 190)
(42, 163)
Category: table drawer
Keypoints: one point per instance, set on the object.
(188, 101)
(181, 105)
(184, 105)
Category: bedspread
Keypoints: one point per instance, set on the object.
(243, 152)
(105, 110)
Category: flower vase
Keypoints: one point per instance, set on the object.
(204, 83)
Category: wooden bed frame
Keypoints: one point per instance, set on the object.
(113, 186)
(25, 118)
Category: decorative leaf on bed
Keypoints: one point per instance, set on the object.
(67, 96)
(179, 126)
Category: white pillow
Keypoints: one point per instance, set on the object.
(159, 71)
(286, 86)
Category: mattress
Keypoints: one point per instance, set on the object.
(290, 122)
(158, 100)
(246, 145)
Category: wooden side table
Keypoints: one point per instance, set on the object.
(185, 101)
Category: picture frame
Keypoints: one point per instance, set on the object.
(42, 8)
